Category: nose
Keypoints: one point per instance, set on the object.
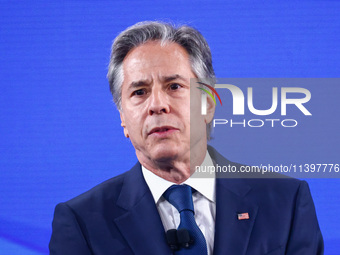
(158, 102)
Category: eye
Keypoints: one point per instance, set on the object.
(175, 86)
(139, 92)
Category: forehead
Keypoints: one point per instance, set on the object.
(152, 58)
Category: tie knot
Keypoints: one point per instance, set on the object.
(180, 196)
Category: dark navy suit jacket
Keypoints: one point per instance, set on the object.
(119, 216)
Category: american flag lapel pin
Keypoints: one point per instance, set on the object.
(243, 216)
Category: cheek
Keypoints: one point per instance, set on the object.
(196, 116)
(134, 123)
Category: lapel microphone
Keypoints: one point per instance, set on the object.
(171, 238)
(178, 238)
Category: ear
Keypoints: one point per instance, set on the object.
(210, 110)
(123, 124)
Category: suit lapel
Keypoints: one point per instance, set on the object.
(232, 234)
(141, 225)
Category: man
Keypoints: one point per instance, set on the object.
(149, 74)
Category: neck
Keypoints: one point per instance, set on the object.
(176, 169)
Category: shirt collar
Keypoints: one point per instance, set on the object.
(205, 186)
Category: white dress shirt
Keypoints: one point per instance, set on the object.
(204, 202)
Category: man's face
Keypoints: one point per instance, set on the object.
(156, 103)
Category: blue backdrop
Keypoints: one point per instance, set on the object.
(60, 133)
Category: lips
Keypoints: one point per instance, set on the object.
(162, 129)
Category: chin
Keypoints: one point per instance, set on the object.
(165, 152)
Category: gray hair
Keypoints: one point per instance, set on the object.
(187, 37)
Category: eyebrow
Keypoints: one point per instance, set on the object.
(138, 84)
(141, 83)
(173, 77)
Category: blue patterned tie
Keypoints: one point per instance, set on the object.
(180, 196)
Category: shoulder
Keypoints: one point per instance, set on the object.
(279, 190)
(264, 185)
(99, 195)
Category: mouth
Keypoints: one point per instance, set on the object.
(164, 130)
